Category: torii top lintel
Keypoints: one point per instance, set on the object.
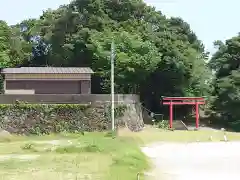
(183, 98)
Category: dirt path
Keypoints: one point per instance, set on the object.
(195, 161)
(25, 157)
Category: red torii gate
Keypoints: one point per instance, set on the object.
(171, 101)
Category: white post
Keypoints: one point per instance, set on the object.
(4, 86)
(112, 84)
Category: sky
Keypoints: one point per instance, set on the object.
(210, 19)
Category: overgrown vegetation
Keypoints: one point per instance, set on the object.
(92, 156)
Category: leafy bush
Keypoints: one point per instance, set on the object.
(29, 147)
(163, 124)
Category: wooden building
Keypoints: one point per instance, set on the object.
(47, 80)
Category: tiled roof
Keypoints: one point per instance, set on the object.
(48, 70)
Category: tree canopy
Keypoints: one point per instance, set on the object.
(155, 56)
(226, 65)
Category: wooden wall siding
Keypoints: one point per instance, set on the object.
(48, 76)
(46, 86)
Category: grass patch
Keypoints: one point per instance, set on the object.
(92, 156)
(78, 149)
(20, 138)
(100, 156)
(149, 135)
(64, 166)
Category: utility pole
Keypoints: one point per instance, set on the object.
(112, 84)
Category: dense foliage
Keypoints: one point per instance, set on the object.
(226, 65)
(155, 56)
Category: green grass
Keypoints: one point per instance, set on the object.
(149, 135)
(92, 156)
(95, 156)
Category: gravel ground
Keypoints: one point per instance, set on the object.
(195, 161)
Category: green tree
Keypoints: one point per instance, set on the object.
(226, 65)
(136, 59)
(14, 51)
(155, 55)
(5, 45)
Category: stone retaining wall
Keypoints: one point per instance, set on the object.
(54, 118)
